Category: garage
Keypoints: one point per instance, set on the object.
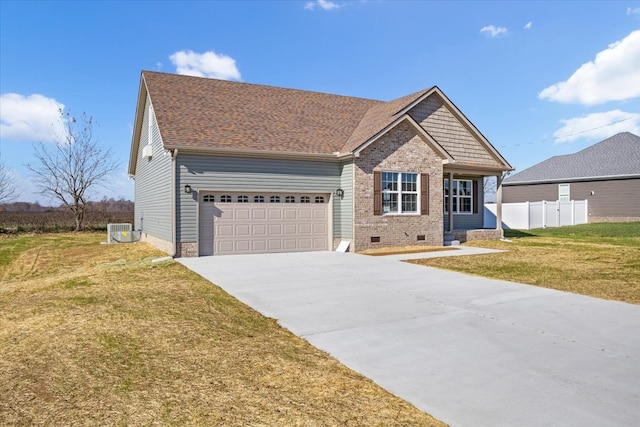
(251, 223)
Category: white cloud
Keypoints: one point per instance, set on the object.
(598, 126)
(614, 75)
(33, 118)
(635, 11)
(208, 64)
(322, 4)
(493, 31)
(528, 25)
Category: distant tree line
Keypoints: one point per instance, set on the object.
(104, 205)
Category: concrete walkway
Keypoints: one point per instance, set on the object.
(468, 350)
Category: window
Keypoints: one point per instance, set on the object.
(275, 199)
(399, 192)
(290, 199)
(305, 199)
(462, 193)
(208, 198)
(258, 199)
(225, 198)
(564, 192)
(243, 199)
(319, 199)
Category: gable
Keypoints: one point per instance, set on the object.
(441, 123)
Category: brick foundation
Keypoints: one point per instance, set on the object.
(187, 250)
(163, 245)
(479, 234)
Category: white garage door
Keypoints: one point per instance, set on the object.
(243, 223)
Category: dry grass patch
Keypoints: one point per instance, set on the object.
(93, 334)
(602, 264)
(398, 250)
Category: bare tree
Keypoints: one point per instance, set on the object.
(490, 188)
(75, 164)
(8, 190)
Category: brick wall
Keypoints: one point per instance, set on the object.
(400, 150)
(187, 249)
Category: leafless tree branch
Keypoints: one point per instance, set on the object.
(76, 164)
(8, 190)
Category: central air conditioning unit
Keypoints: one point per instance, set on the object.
(115, 232)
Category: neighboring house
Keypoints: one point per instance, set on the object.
(223, 167)
(606, 174)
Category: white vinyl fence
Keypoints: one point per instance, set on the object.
(527, 215)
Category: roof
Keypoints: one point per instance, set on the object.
(614, 157)
(196, 112)
(203, 115)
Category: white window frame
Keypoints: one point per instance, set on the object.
(399, 192)
(457, 197)
(564, 192)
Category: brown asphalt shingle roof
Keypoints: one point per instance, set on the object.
(202, 113)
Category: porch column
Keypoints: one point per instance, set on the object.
(450, 202)
(499, 205)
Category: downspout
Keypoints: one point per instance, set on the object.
(174, 155)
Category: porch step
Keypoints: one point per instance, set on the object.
(450, 240)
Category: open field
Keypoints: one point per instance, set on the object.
(93, 334)
(600, 260)
(56, 221)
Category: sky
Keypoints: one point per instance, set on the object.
(538, 79)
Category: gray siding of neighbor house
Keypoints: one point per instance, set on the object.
(221, 173)
(449, 132)
(611, 198)
(153, 184)
(468, 221)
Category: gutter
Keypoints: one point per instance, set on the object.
(580, 179)
(260, 154)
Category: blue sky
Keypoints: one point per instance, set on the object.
(537, 78)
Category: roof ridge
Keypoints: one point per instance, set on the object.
(235, 82)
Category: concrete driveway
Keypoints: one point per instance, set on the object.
(468, 350)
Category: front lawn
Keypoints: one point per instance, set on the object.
(96, 334)
(600, 260)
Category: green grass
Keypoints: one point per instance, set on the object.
(600, 260)
(621, 233)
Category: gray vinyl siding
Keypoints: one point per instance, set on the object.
(611, 198)
(343, 208)
(153, 184)
(468, 221)
(221, 173)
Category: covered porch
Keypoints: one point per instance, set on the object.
(463, 204)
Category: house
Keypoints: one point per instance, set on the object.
(606, 174)
(224, 167)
